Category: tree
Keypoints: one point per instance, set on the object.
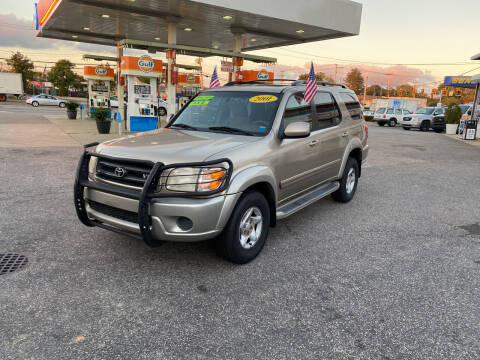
(320, 76)
(63, 77)
(376, 90)
(355, 81)
(407, 90)
(21, 64)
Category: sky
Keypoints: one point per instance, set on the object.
(424, 35)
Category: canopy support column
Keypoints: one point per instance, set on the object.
(171, 88)
(120, 89)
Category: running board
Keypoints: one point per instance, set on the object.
(305, 200)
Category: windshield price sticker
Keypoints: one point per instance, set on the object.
(262, 99)
(202, 100)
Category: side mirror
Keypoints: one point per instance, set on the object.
(295, 130)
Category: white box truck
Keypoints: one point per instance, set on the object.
(409, 104)
(10, 84)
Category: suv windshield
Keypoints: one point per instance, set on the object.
(426, 111)
(236, 112)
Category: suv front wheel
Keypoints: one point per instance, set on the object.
(246, 231)
(348, 182)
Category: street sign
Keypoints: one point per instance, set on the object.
(227, 66)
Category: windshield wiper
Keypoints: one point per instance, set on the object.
(184, 126)
(231, 130)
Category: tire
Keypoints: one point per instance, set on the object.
(380, 123)
(406, 128)
(162, 111)
(229, 243)
(347, 190)
(392, 123)
(35, 103)
(425, 125)
(62, 105)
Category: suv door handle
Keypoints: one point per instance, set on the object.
(313, 143)
(345, 134)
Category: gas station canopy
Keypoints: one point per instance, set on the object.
(207, 24)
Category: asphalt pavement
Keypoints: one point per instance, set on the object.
(392, 275)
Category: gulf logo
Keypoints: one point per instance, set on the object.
(101, 70)
(145, 63)
(263, 75)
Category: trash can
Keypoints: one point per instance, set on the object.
(470, 132)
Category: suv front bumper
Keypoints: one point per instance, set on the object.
(149, 215)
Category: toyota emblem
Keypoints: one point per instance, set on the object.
(120, 172)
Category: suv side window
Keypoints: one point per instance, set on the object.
(353, 106)
(406, 112)
(398, 112)
(297, 109)
(390, 111)
(326, 111)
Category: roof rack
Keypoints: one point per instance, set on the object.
(322, 83)
(253, 82)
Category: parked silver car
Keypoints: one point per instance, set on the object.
(229, 164)
(422, 119)
(44, 99)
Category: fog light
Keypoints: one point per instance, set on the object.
(184, 223)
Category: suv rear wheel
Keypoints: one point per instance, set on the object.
(348, 182)
(246, 231)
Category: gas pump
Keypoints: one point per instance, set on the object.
(188, 86)
(142, 110)
(99, 78)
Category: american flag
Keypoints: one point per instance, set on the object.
(311, 86)
(214, 82)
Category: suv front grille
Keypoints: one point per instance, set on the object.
(114, 212)
(123, 172)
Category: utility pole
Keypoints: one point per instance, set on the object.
(365, 91)
(388, 85)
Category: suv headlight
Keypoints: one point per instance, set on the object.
(196, 179)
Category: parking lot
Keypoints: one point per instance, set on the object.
(392, 275)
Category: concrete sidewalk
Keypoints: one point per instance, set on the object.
(82, 131)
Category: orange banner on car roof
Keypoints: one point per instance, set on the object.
(189, 79)
(252, 75)
(45, 8)
(98, 72)
(141, 66)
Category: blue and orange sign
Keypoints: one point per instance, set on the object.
(144, 65)
(459, 81)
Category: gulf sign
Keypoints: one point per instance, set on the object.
(99, 72)
(141, 66)
(252, 75)
(189, 79)
(459, 81)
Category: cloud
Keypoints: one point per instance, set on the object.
(19, 33)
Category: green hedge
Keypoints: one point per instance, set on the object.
(368, 118)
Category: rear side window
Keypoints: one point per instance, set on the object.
(297, 109)
(380, 111)
(352, 104)
(390, 111)
(326, 111)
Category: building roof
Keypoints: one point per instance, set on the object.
(263, 24)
